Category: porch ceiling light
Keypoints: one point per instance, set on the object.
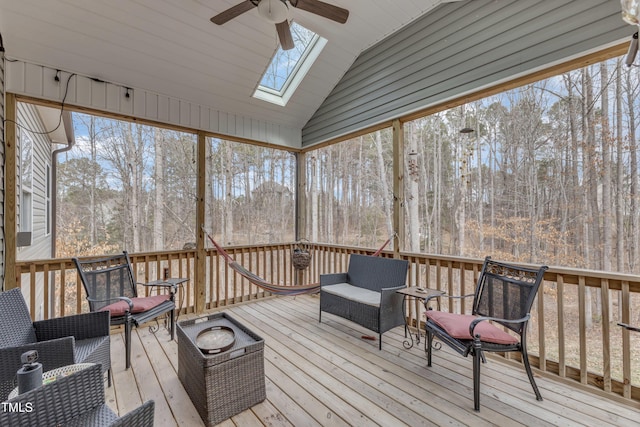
(275, 11)
(633, 50)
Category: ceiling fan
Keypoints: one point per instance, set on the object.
(277, 11)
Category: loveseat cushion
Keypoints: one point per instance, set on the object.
(354, 293)
(457, 326)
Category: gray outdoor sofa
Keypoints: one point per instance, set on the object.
(366, 293)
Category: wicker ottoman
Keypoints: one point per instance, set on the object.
(225, 384)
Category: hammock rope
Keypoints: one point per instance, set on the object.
(272, 287)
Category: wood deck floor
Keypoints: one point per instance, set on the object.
(326, 374)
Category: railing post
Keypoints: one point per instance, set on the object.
(398, 187)
(10, 193)
(200, 283)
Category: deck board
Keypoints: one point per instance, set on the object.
(326, 374)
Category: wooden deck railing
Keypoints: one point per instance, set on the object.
(572, 334)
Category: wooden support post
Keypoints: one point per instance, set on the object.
(398, 186)
(301, 198)
(10, 192)
(301, 205)
(200, 285)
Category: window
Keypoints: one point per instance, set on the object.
(288, 67)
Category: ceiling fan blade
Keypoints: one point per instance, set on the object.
(321, 8)
(232, 12)
(284, 34)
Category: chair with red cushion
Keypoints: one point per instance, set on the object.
(110, 286)
(503, 299)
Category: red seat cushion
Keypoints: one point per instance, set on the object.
(139, 305)
(457, 325)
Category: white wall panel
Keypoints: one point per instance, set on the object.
(99, 94)
(50, 91)
(23, 78)
(151, 106)
(139, 100)
(205, 117)
(113, 98)
(82, 93)
(33, 78)
(163, 109)
(214, 119)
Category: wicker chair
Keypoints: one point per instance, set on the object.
(59, 342)
(504, 295)
(74, 400)
(110, 286)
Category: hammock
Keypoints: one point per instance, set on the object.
(271, 287)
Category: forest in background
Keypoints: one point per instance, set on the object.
(130, 186)
(545, 173)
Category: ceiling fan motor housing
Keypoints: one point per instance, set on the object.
(275, 11)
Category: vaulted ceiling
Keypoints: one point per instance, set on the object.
(171, 47)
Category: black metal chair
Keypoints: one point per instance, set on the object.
(110, 286)
(74, 400)
(504, 295)
(82, 338)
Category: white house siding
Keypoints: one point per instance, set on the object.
(31, 125)
(24, 78)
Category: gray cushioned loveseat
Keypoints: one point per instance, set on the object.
(366, 293)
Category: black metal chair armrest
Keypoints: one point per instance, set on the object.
(332, 279)
(629, 327)
(479, 319)
(173, 287)
(125, 299)
(142, 416)
(81, 326)
(438, 296)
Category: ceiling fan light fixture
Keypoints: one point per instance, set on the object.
(275, 11)
(631, 11)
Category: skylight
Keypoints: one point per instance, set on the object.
(288, 67)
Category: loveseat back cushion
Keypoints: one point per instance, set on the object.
(139, 305)
(375, 273)
(457, 326)
(354, 293)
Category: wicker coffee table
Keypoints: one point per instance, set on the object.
(224, 384)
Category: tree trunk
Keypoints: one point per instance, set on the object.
(228, 229)
(634, 235)
(313, 187)
(158, 205)
(607, 223)
(411, 197)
